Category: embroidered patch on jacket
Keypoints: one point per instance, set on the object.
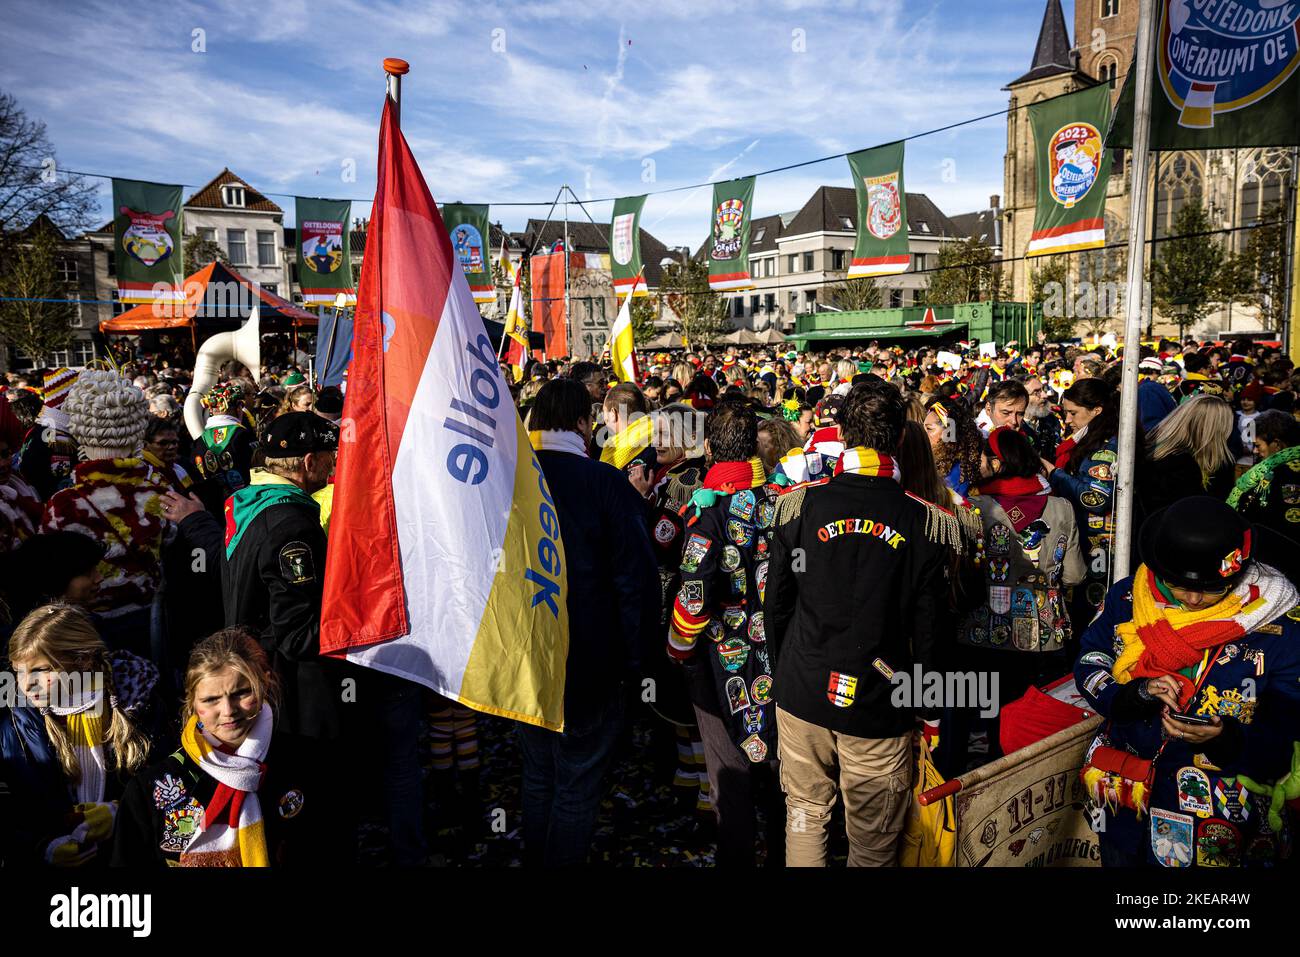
(296, 565)
(841, 689)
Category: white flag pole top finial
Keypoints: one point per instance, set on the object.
(396, 69)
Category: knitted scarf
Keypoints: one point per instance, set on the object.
(622, 448)
(728, 477)
(861, 460)
(231, 832)
(1065, 448)
(1162, 640)
(792, 468)
(83, 717)
(725, 478)
(1023, 499)
(1258, 479)
(1014, 487)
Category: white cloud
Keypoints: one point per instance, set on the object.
(283, 99)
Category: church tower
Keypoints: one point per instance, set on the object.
(1053, 71)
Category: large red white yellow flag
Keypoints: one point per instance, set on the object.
(445, 564)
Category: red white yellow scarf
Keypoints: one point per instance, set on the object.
(861, 460)
(1163, 640)
(231, 832)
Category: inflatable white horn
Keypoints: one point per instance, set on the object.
(244, 345)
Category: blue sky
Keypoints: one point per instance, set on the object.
(507, 101)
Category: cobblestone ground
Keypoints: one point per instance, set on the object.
(644, 821)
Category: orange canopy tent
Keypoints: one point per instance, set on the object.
(216, 298)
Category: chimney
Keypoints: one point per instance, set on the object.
(995, 201)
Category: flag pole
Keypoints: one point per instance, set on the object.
(396, 69)
(1291, 236)
(568, 320)
(505, 255)
(1137, 228)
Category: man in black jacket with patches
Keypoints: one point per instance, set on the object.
(717, 631)
(856, 592)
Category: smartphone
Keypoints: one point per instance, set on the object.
(1197, 719)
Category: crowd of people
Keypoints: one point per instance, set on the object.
(757, 543)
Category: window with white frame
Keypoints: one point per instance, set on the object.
(265, 247)
(237, 246)
(1109, 8)
(233, 195)
(83, 352)
(769, 267)
(67, 270)
(208, 234)
(792, 263)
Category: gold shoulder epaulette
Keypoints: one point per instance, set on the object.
(790, 502)
(679, 492)
(942, 526)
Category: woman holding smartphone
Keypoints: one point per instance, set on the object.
(1194, 661)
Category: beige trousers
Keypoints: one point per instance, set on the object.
(874, 775)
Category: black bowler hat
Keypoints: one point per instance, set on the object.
(1198, 543)
(296, 433)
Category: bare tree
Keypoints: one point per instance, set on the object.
(30, 182)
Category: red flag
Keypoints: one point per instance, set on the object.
(445, 564)
(364, 599)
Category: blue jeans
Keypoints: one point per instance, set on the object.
(564, 780)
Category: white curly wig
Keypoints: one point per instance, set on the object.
(107, 415)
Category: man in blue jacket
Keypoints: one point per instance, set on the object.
(613, 599)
